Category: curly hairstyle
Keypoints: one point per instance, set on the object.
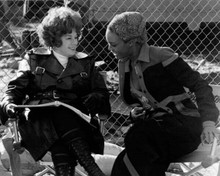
(129, 26)
(58, 22)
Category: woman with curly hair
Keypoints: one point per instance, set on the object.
(60, 73)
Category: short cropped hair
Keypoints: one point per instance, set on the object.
(129, 26)
(58, 22)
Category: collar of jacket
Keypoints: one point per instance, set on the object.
(52, 65)
(143, 57)
(124, 67)
(144, 53)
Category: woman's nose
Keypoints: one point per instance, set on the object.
(74, 41)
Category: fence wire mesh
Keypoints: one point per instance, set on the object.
(190, 27)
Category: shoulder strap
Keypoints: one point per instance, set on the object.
(36, 58)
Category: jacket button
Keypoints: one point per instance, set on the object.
(59, 81)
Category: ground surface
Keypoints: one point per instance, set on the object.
(3, 171)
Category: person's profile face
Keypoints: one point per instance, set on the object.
(116, 45)
(69, 44)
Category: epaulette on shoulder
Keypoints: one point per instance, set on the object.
(37, 56)
(40, 51)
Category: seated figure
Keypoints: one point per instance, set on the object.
(152, 79)
(60, 74)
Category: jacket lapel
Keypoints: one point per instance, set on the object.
(52, 65)
(73, 68)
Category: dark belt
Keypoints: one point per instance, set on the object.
(56, 95)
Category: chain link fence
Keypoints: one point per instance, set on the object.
(190, 27)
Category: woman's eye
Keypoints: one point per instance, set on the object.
(67, 38)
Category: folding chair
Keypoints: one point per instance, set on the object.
(48, 164)
(206, 154)
(24, 65)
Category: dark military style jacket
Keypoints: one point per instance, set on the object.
(48, 81)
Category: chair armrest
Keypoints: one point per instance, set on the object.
(102, 117)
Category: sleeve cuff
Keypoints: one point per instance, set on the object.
(208, 124)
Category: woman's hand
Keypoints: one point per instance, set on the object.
(138, 113)
(10, 109)
(209, 132)
(93, 102)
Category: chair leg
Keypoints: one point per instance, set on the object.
(48, 169)
(218, 174)
(43, 172)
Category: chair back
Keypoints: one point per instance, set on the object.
(216, 92)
